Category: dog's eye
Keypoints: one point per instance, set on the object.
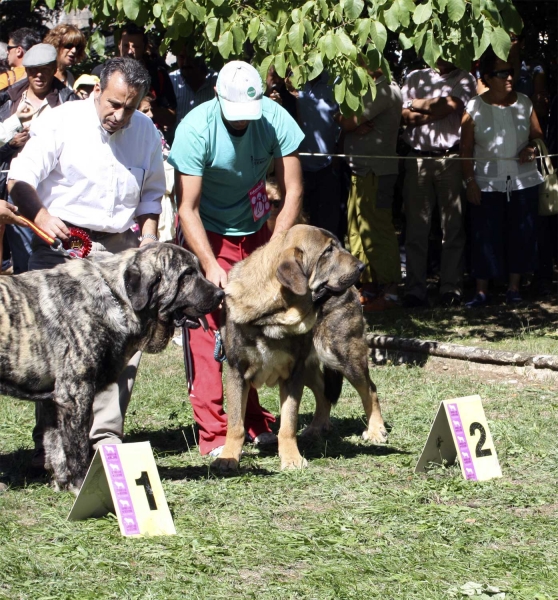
(189, 271)
(328, 249)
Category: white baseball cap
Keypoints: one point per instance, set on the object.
(240, 91)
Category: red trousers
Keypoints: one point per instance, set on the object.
(206, 395)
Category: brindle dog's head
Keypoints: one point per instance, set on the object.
(313, 260)
(165, 280)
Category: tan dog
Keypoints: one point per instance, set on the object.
(283, 304)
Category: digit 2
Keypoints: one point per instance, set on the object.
(479, 451)
(144, 481)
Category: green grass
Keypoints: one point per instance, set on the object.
(358, 523)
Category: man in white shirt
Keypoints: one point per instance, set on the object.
(433, 104)
(98, 165)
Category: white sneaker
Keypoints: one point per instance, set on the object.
(216, 452)
(177, 340)
(267, 438)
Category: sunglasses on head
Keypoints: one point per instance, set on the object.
(275, 203)
(503, 73)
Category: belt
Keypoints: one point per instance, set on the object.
(440, 152)
(92, 233)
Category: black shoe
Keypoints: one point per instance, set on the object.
(411, 301)
(450, 299)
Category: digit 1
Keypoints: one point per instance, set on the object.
(144, 481)
(479, 451)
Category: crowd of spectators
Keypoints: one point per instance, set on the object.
(483, 209)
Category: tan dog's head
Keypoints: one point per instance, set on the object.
(313, 260)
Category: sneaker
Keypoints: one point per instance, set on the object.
(481, 299)
(412, 301)
(380, 303)
(513, 297)
(177, 340)
(216, 452)
(367, 293)
(267, 438)
(450, 299)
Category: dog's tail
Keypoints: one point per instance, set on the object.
(333, 382)
(16, 392)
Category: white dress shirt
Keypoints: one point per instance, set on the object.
(89, 177)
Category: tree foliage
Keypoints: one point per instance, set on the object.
(347, 37)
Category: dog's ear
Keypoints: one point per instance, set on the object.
(139, 285)
(290, 272)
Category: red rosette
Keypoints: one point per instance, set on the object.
(78, 244)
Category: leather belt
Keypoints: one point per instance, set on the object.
(433, 153)
(92, 233)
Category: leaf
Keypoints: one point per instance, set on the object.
(406, 7)
(217, 2)
(211, 28)
(353, 100)
(379, 35)
(391, 17)
(263, 41)
(296, 15)
(308, 6)
(296, 37)
(479, 46)
(317, 67)
(131, 8)
(374, 59)
(476, 6)
(157, 11)
(362, 31)
(344, 44)
(512, 19)
(501, 43)
(422, 13)
(197, 11)
(405, 42)
(432, 51)
(264, 67)
(363, 77)
(456, 10)
(279, 64)
(352, 8)
(329, 45)
(324, 9)
(52, 3)
(225, 44)
(238, 37)
(97, 42)
(339, 91)
(253, 28)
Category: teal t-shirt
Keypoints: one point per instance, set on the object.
(231, 166)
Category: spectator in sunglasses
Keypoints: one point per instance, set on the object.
(502, 183)
(70, 47)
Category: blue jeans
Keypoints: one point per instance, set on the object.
(19, 240)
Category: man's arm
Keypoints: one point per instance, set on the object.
(189, 189)
(148, 225)
(428, 110)
(25, 196)
(289, 177)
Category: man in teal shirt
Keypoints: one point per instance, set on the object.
(222, 151)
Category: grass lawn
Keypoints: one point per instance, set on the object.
(358, 523)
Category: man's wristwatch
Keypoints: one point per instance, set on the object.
(149, 236)
(408, 104)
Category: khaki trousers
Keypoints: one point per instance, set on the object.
(430, 183)
(370, 230)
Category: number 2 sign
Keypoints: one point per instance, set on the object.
(460, 430)
(123, 479)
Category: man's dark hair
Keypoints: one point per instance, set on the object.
(133, 29)
(25, 37)
(134, 73)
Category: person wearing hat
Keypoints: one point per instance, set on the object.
(28, 100)
(84, 85)
(222, 150)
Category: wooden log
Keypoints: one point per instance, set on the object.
(456, 351)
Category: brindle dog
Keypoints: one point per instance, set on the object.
(66, 333)
(290, 306)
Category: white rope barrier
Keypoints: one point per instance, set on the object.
(397, 157)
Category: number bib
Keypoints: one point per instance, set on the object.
(259, 201)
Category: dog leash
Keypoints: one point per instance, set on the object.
(78, 245)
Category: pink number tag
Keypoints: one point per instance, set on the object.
(258, 201)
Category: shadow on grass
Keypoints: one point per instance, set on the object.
(495, 322)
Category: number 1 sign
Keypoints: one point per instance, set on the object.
(460, 430)
(123, 479)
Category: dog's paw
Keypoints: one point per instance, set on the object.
(291, 464)
(225, 464)
(375, 436)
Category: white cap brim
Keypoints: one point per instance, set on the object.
(241, 111)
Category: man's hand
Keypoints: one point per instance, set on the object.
(19, 140)
(473, 193)
(217, 275)
(527, 155)
(52, 226)
(25, 112)
(365, 128)
(8, 216)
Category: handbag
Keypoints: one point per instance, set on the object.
(548, 190)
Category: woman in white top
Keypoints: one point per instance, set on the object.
(70, 45)
(502, 182)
